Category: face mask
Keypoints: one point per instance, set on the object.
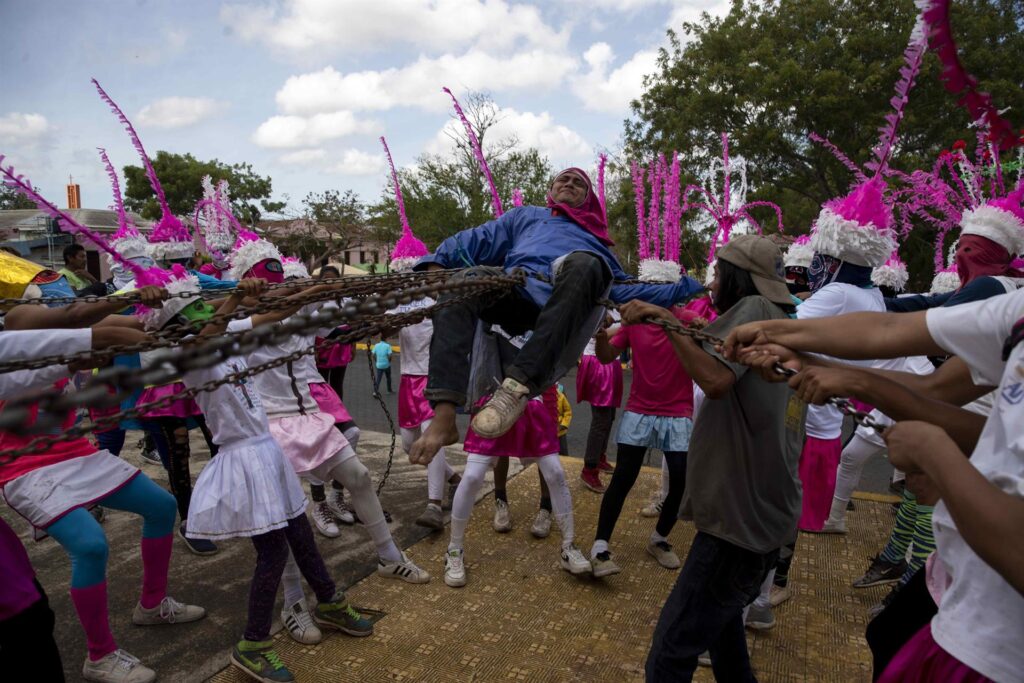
(197, 311)
(58, 288)
(268, 269)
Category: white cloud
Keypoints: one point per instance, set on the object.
(177, 112)
(17, 127)
(555, 141)
(419, 84)
(303, 157)
(357, 162)
(314, 26)
(283, 132)
(611, 91)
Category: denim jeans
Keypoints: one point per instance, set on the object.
(704, 611)
(581, 280)
(381, 373)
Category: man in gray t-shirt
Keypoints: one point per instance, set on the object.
(741, 479)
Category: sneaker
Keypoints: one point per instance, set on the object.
(591, 479)
(502, 517)
(150, 457)
(197, 546)
(884, 602)
(760, 618)
(833, 526)
(340, 508)
(574, 562)
(117, 667)
(405, 569)
(455, 568)
(502, 410)
(663, 553)
(704, 659)
(340, 615)
(299, 623)
(652, 509)
(881, 572)
(850, 507)
(603, 465)
(541, 524)
(431, 518)
(604, 565)
(323, 520)
(260, 661)
(779, 594)
(98, 513)
(169, 611)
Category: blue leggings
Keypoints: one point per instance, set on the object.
(83, 539)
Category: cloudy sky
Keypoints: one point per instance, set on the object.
(302, 89)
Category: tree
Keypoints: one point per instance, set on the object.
(12, 199)
(331, 222)
(447, 193)
(769, 73)
(181, 178)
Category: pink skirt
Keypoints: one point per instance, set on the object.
(179, 408)
(329, 402)
(307, 440)
(922, 660)
(535, 434)
(333, 355)
(818, 463)
(413, 408)
(599, 384)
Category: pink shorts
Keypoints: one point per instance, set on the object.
(329, 402)
(182, 408)
(413, 408)
(534, 435)
(599, 384)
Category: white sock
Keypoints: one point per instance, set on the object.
(291, 579)
(598, 548)
(477, 467)
(561, 500)
(356, 478)
(658, 538)
(762, 600)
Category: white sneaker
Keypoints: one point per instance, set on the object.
(117, 667)
(834, 526)
(323, 520)
(455, 568)
(541, 524)
(406, 570)
(502, 410)
(339, 507)
(502, 517)
(574, 562)
(652, 509)
(169, 611)
(663, 553)
(299, 624)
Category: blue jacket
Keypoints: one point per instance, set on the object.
(529, 237)
(976, 290)
(212, 283)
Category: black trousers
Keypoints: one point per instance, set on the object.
(581, 280)
(910, 610)
(27, 645)
(628, 461)
(601, 420)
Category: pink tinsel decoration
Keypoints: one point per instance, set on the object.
(602, 161)
(865, 204)
(475, 143)
(125, 226)
(398, 188)
(21, 184)
(245, 236)
(407, 245)
(838, 154)
(658, 222)
(517, 197)
(913, 58)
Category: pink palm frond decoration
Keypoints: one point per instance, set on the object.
(479, 153)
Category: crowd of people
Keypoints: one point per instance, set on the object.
(735, 380)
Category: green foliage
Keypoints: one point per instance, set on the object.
(769, 73)
(181, 178)
(12, 199)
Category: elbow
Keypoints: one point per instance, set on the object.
(716, 388)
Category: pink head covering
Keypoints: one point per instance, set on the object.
(589, 215)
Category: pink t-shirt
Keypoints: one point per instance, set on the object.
(661, 386)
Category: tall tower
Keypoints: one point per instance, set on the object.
(74, 194)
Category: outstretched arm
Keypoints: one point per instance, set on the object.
(78, 314)
(251, 287)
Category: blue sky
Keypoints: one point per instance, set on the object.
(302, 89)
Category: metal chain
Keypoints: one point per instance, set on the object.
(125, 380)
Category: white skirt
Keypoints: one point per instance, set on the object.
(248, 489)
(46, 494)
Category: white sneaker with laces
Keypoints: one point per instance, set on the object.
(502, 517)
(455, 568)
(406, 570)
(502, 410)
(299, 623)
(117, 667)
(323, 520)
(541, 524)
(169, 611)
(663, 553)
(652, 509)
(574, 562)
(340, 508)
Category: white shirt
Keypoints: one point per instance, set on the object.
(414, 340)
(981, 617)
(836, 298)
(233, 411)
(26, 344)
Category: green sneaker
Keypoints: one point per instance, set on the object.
(339, 614)
(258, 660)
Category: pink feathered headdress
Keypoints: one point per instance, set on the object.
(407, 250)
(127, 241)
(249, 250)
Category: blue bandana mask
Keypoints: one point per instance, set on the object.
(58, 288)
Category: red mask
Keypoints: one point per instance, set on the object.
(978, 256)
(269, 269)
